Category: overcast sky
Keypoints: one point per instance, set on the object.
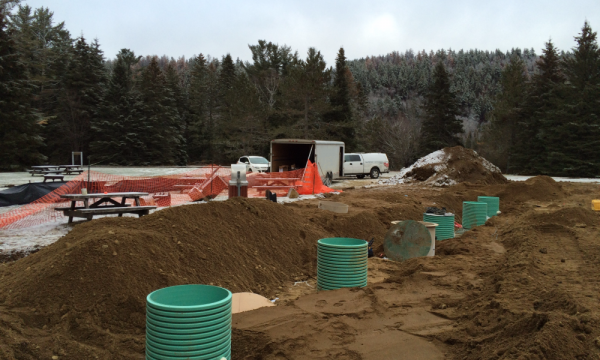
(363, 28)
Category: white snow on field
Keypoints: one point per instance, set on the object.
(32, 238)
(558, 179)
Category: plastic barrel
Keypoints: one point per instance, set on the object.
(445, 229)
(341, 262)
(188, 322)
(474, 214)
(493, 204)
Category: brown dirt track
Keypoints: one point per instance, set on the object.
(524, 286)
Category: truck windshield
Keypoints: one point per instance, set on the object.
(258, 160)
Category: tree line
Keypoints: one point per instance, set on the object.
(136, 110)
(526, 113)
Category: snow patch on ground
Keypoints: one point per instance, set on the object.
(488, 165)
(32, 238)
(29, 239)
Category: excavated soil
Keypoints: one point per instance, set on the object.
(523, 286)
(450, 166)
(465, 165)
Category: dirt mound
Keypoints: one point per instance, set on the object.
(450, 166)
(538, 188)
(93, 282)
(569, 217)
(491, 293)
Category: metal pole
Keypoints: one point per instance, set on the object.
(314, 173)
(307, 160)
(89, 169)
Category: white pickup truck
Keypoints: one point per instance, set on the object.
(361, 164)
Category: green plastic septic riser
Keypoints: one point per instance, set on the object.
(188, 321)
(493, 204)
(474, 214)
(341, 262)
(445, 229)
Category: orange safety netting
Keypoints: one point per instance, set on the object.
(206, 182)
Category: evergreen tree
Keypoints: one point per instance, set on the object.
(173, 83)
(505, 120)
(305, 96)
(441, 125)
(118, 125)
(341, 125)
(19, 131)
(572, 132)
(204, 95)
(198, 104)
(271, 64)
(530, 155)
(162, 135)
(78, 100)
(239, 122)
(227, 98)
(45, 51)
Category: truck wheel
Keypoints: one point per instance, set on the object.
(374, 173)
(360, 176)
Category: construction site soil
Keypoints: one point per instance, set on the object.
(523, 286)
(450, 166)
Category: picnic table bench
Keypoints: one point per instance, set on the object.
(87, 211)
(56, 171)
(53, 177)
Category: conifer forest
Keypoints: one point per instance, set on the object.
(528, 113)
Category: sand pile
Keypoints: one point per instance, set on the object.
(491, 293)
(449, 166)
(538, 188)
(93, 282)
(538, 301)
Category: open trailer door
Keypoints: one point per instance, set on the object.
(288, 154)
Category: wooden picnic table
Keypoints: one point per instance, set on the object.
(55, 169)
(39, 169)
(97, 208)
(272, 183)
(276, 181)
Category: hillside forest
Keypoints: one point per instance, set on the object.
(528, 113)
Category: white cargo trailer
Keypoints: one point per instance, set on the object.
(288, 154)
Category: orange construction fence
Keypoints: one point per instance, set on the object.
(197, 184)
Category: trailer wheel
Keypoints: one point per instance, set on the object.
(328, 179)
(374, 173)
(360, 176)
